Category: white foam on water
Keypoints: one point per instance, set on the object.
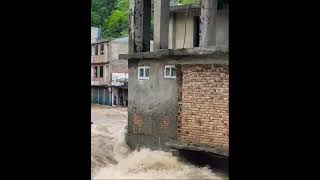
(112, 159)
(148, 164)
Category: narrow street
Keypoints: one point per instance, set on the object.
(111, 158)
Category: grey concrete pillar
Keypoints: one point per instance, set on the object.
(139, 25)
(161, 24)
(208, 23)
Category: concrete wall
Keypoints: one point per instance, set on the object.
(100, 57)
(106, 79)
(222, 29)
(116, 48)
(177, 30)
(153, 104)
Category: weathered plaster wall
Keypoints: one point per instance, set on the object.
(153, 104)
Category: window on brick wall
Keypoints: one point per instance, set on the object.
(102, 49)
(95, 71)
(143, 72)
(169, 71)
(101, 71)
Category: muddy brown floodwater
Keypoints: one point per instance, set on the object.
(112, 159)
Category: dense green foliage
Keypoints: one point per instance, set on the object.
(100, 10)
(104, 14)
(116, 25)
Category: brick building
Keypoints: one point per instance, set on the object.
(109, 75)
(179, 97)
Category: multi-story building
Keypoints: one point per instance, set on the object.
(109, 74)
(179, 92)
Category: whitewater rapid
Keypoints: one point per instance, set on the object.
(112, 159)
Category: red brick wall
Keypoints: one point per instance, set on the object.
(203, 95)
(136, 123)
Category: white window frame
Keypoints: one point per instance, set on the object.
(170, 76)
(144, 72)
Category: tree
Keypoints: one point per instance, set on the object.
(101, 9)
(95, 19)
(116, 25)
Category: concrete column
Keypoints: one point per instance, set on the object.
(111, 96)
(104, 96)
(123, 96)
(208, 23)
(131, 26)
(161, 24)
(139, 25)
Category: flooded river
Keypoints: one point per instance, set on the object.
(112, 159)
